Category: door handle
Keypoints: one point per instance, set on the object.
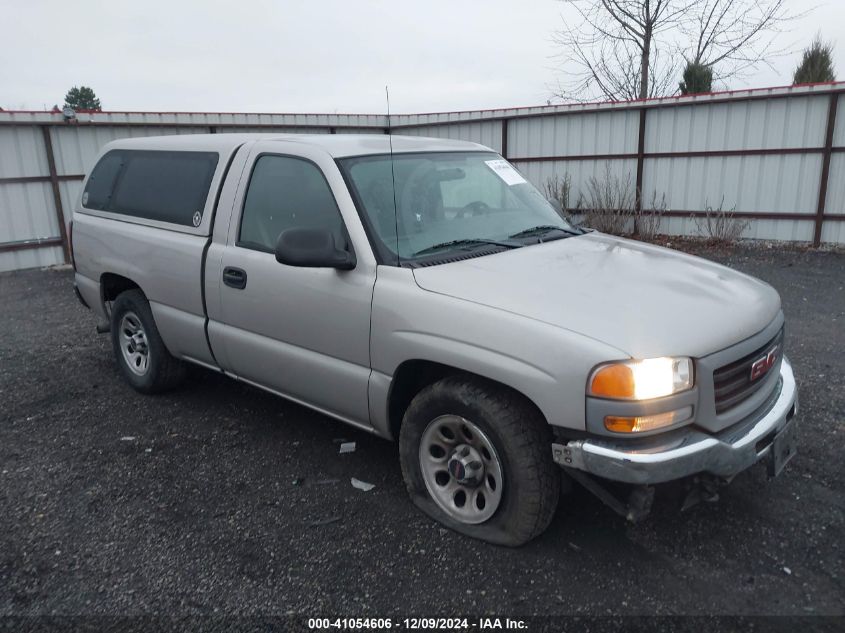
(234, 277)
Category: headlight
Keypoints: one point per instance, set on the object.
(641, 379)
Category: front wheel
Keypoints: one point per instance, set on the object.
(477, 457)
(142, 356)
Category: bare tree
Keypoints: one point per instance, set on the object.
(616, 44)
(634, 49)
(733, 37)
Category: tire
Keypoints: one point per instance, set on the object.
(138, 349)
(514, 434)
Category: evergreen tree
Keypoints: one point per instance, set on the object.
(82, 98)
(698, 78)
(816, 64)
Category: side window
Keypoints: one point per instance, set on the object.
(155, 185)
(164, 186)
(98, 189)
(285, 193)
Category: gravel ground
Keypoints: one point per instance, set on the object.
(209, 499)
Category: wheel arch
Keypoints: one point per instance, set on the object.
(112, 284)
(412, 376)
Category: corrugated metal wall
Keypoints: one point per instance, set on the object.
(27, 205)
(759, 153)
(30, 232)
(835, 231)
(784, 183)
(766, 154)
(487, 133)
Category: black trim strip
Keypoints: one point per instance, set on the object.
(205, 248)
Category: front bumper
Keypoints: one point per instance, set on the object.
(656, 460)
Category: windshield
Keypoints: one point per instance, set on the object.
(448, 201)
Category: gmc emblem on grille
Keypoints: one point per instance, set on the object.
(763, 365)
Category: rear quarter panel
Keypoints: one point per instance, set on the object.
(165, 264)
(164, 260)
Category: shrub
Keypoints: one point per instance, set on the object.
(610, 203)
(649, 219)
(720, 226)
(559, 188)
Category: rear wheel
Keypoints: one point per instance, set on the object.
(477, 457)
(141, 354)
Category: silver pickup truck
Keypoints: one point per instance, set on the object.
(422, 290)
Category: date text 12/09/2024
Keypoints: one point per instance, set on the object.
(458, 624)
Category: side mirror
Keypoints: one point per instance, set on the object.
(312, 248)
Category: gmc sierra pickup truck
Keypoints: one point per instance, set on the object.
(423, 290)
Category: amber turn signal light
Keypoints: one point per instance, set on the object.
(641, 379)
(639, 424)
(613, 381)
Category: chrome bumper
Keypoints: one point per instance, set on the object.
(694, 452)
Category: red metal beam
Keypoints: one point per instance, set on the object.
(57, 196)
(715, 153)
(828, 148)
(22, 180)
(640, 161)
(750, 215)
(571, 157)
(591, 108)
(30, 244)
(736, 152)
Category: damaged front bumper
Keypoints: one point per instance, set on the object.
(660, 459)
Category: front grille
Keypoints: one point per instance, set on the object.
(732, 382)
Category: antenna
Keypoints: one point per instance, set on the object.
(387, 98)
(392, 176)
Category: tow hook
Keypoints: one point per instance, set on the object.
(635, 508)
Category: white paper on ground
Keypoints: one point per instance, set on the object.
(504, 170)
(347, 447)
(362, 485)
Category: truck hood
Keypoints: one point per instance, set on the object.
(645, 300)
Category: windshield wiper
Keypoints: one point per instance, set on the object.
(466, 242)
(543, 229)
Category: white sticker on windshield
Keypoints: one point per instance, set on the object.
(504, 170)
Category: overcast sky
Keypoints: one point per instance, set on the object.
(307, 55)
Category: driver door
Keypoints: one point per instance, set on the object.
(301, 332)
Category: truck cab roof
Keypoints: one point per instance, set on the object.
(336, 145)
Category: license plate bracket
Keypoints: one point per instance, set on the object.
(784, 447)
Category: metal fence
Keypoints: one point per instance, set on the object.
(776, 157)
